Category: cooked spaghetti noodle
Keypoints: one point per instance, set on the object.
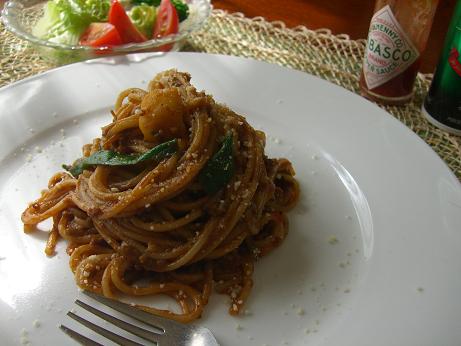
(153, 227)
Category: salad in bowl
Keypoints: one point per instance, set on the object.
(72, 30)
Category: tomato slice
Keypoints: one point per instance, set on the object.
(167, 21)
(126, 29)
(100, 34)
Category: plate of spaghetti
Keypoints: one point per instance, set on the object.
(226, 192)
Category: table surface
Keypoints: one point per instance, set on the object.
(350, 17)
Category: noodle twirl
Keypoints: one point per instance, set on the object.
(176, 198)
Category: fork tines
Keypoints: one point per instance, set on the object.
(160, 324)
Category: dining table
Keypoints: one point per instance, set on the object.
(341, 17)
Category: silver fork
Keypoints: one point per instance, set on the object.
(165, 333)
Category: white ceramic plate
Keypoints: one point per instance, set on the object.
(393, 277)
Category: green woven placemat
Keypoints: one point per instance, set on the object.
(335, 58)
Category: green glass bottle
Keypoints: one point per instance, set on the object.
(442, 106)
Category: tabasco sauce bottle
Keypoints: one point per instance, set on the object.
(398, 34)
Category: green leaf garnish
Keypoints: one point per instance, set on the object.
(219, 170)
(113, 158)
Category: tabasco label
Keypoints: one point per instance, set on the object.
(389, 51)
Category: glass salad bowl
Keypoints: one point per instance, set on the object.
(21, 16)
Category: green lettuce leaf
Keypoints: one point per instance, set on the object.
(143, 17)
(64, 21)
